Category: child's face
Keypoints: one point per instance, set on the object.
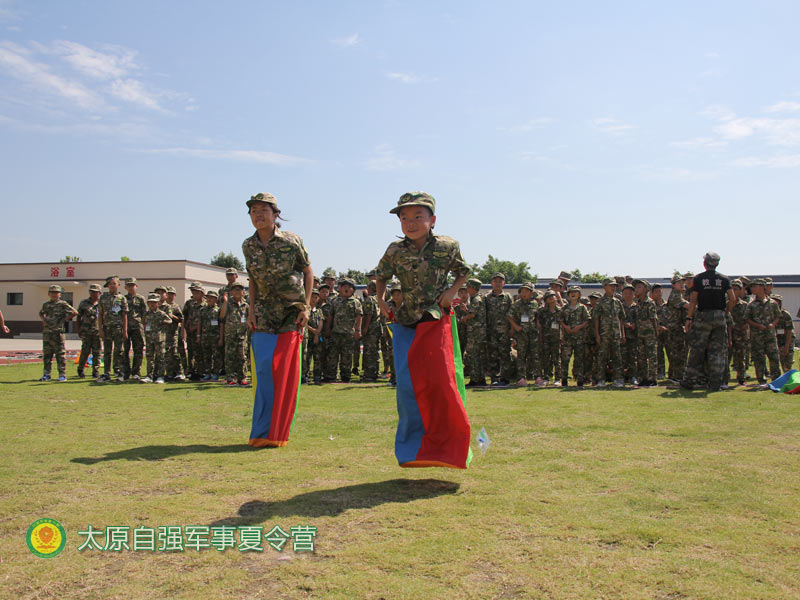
(113, 286)
(416, 222)
(197, 295)
(211, 300)
(627, 294)
(152, 304)
(314, 299)
(346, 290)
(678, 286)
(237, 293)
(323, 294)
(592, 301)
(656, 294)
(497, 284)
(610, 289)
(574, 297)
(463, 294)
(54, 295)
(550, 301)
(525, 294)
(397, 296)
(131, 288)
(170, 297)
(262, 216)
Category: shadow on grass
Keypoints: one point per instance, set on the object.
(332, 502)
(162, 452)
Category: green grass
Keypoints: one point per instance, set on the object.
(582, 494)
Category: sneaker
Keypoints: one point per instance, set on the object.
(81, 374)
(244, 382)
(136, 377)
(619, 383)
(522, 382)
(724, 387)
(160, 380)
(231, 383)
(101, 379)
(180, 377)
(579, 383)
(45, 378)
(601, 383)
(62, 378)
(146, 379)
(556, 383)
(215, 378)
(634, 382)
(205, 378)
(121, 378)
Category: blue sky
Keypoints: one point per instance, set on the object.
(621, 137)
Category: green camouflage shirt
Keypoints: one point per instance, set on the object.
(137, 306)
(677, 310)
(155, 324)
(523, 313)
(209, 321)
(87, 316)
(370, 308)
(550, 320)
(497, 308)
(477, 307)
(573, 316)
(739, 314)
(344, 312)
(608, 312)
(763, 311)
(646, 312)
(784, 327)
(54, 313)
(236, 319)
(422, 274)
(112, 309)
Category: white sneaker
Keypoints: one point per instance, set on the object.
(619, 383)
(146, 380)
(160, 380)
(180, 377)
(136, 378)
(120, 379)
(601, 383)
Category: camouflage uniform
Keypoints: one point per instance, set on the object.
(550, 350)
(498, 342)
(136, 309)
(662, 338)
(235, 336)
(630, 348)
(573, 343)
(523, 313)
(476, 339)
(276, 280)
(313, 350)
(90, 335)
(740, 338)
(677, 309)
(785, 328)
(462, 310)
(708, 349)
(325, 340)
(392, 372)
(344, 313)
(590, 344)
(647, 339)
(191, 325)
(112, 309)
(174, 339)
(54, 313)
(372, 338)
(764, 343)
(209, 340)
(155, 324)
(608, 313)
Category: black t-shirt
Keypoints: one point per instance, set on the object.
(712, 289)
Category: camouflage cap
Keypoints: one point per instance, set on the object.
(565, 275)
(711, 259)
(500, 275)
(415, 199)
(777, 297)
(315, 291)
(528, 285)
(656, 286)
(548, 294)
(474, 282)
(758, 281)
(231, 271)
(396, 287)
(768, 280)
(574, 288)
(324, 285)
(329, 274)
(109, 278)
(237, 284)
(212, 293)
(620, 279)
(627, 286)
(95, 288)
(676, 278)
(595, 295)
(737, 283)
(372, 273)
(169, 289)
(609, 281)
(371, 285)
(644, 282)
(745, 280)
(265, 198)
(154, 298)
(195, 285)
(131, 281)
(557, 282)
(347, 281)
(55, 288)
(688, 275)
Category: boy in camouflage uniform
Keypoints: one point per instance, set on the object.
(677, 311)
(574, 320)
(656, 295)
(210, 338)
(53, 314)
(630, 349)
(86, 327)
(234, 336)
(590, 341)
(371, 334)
(175, 352)
(113, 327)
(475, 321)
(155, 323)
(763, 315)
(549, 318)
(312, 340)
(498, 341)
(609, 330)
(461, 310)
(191, 325)
(646, 335)
(343, 326)
(740, 334)
(136, 309)
(785, 336)
(394, 303)
(523, 323)
(324, 304)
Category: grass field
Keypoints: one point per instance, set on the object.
(583, 494)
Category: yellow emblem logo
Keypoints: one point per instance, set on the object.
(46, 538)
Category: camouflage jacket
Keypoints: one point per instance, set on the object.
(422, 274)
(191, 314)
(646, 313)
(172, 309)
(54, 313)
(550, 321)
(315, 319)
(226, 289)
(677, 311)
(763, 311)
(662, 312)
(276, 278)
(370, 307)
(209, 321)
(344, 312)
(236, 319)
(523, 313)
(608, 312)
(137, 306)
(739, 314)
(497, 308)
(574, 316)
(629, 316)
(112, 308)
(87, 316)
(477, 325)
(784, 327)
(155, 324)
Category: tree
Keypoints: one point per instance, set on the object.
(125, 258)
(514, 272)
(227, 260)
(358, 276)
(595, 277)
(70, 259)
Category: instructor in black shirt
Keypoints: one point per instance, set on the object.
(707, 330)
